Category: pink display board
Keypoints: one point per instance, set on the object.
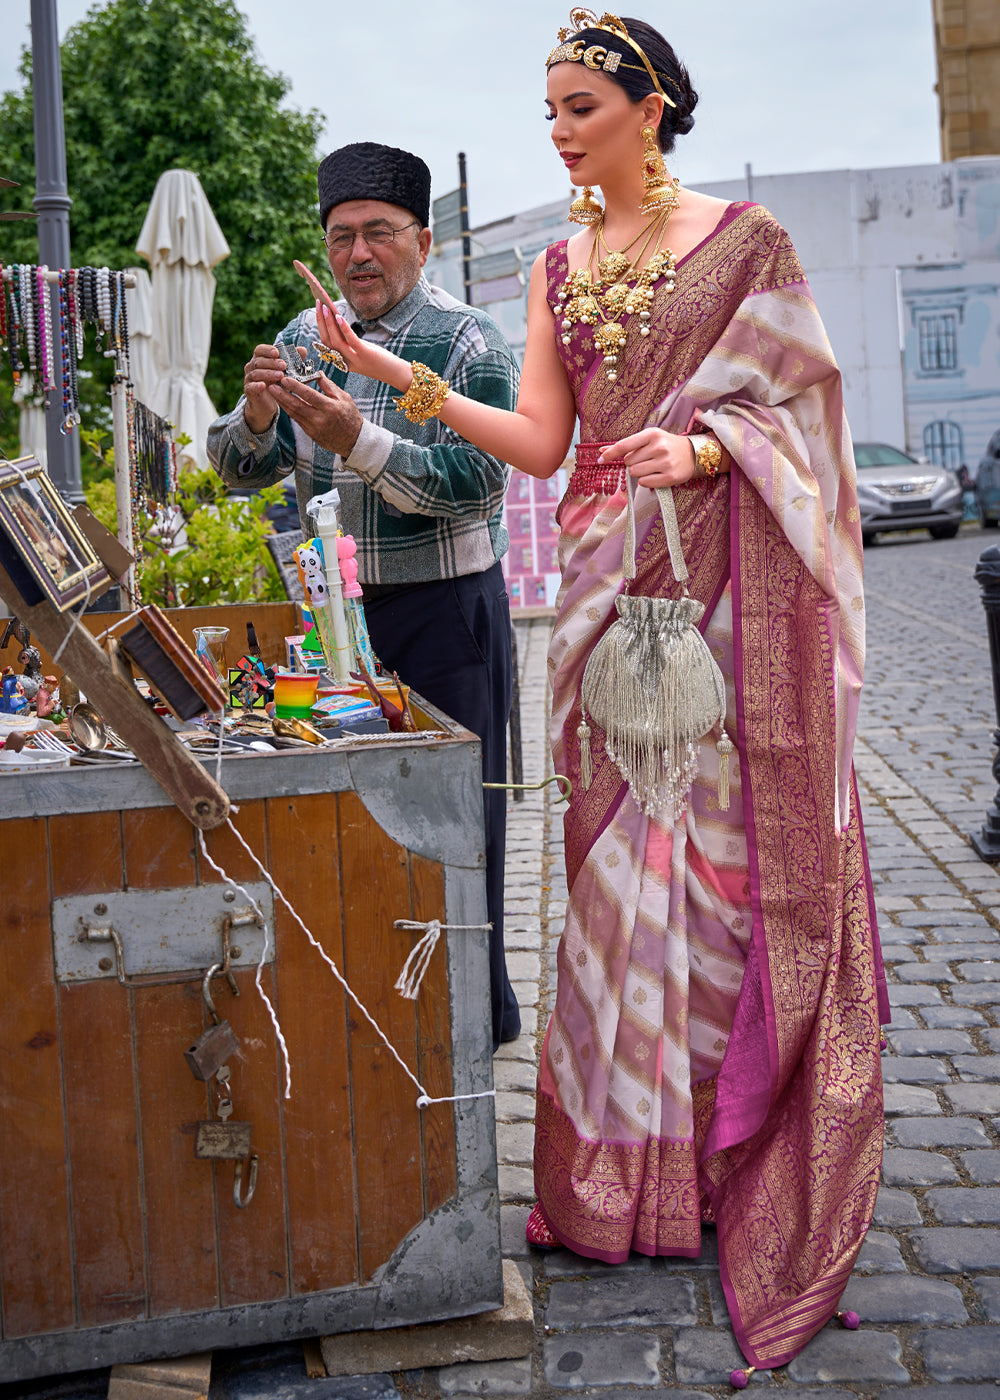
(531, 565)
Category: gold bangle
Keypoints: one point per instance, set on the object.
(425, 397)
(708, 455)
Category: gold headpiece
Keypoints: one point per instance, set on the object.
(570, 50)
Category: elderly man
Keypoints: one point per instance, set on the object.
(422, 503)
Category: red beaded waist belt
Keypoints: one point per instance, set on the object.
(593, 478)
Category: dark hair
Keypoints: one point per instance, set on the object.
(636, 82)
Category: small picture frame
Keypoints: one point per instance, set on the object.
(41, 545)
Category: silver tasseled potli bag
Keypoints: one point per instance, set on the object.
(654, 687)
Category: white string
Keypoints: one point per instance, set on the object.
(263, 957)
(75, 619)
(423, 1098)
(115, 626)
(409, 980)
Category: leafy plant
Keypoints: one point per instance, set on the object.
(206, 546)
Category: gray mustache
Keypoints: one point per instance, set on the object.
(356, 268)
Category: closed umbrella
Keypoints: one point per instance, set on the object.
(182, 241)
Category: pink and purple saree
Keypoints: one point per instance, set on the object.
(713, 1054)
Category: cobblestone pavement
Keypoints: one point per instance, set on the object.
(927, 1284)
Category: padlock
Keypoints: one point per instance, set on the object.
(211, 1050)
(222, 1141)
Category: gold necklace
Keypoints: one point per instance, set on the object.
(604, 301)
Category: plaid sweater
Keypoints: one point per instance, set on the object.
(421, 502)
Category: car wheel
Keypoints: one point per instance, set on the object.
(986, 522)
(868, 537)
(943, 532)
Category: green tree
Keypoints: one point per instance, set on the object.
(151, 85)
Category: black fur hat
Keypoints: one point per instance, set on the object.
(366, 170)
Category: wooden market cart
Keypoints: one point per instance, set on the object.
(116, 1243)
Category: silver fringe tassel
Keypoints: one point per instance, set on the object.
(655, 689)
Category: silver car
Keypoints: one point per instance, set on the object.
(900, 492)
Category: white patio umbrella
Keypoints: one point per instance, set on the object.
(182, 241)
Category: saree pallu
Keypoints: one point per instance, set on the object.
(713, 1053)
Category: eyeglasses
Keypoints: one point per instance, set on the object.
(374, 237)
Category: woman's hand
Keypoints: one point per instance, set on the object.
(360, 355)
(656, 458)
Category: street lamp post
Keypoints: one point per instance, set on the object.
(52, 203)
(986, 841)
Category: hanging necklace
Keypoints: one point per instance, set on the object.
(604, 300)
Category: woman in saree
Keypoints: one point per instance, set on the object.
(713, 1054)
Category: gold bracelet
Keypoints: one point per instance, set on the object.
(425, 397)
(707, 454)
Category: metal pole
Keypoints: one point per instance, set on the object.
(986, 841)
(466, 240)
(52, 203)
(516, 757)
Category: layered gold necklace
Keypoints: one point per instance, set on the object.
(604, 299)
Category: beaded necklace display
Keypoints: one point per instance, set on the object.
(14, 324)
(604, 300)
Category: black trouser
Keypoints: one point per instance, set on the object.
(450, 640)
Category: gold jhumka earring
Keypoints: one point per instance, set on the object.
(585, 208)
(660, 193)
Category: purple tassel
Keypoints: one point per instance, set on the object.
(740, 1379)
(883, 1044)
(850, 1320)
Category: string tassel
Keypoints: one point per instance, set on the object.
(724, 749)
(740, 1379)
(586, 765)
(409, 980)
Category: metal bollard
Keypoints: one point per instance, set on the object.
(986, 841)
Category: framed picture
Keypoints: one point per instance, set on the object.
(41, 545)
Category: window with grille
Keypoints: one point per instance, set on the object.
(938, 341)
(943, 444)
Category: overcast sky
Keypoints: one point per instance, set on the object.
(784, 85)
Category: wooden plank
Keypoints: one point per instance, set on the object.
(103, 1132)
(159, 849)
(178, 1193)
(101, 1116)
(376, 890)
(253, 1254)
(320, 1168)
(179, 1197)
(36, 1283)
(226, 851)
(434, 1024)
(253, 1250)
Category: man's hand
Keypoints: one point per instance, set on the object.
(260, 374)
(328, 415)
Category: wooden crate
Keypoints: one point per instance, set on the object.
(116, 1244)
